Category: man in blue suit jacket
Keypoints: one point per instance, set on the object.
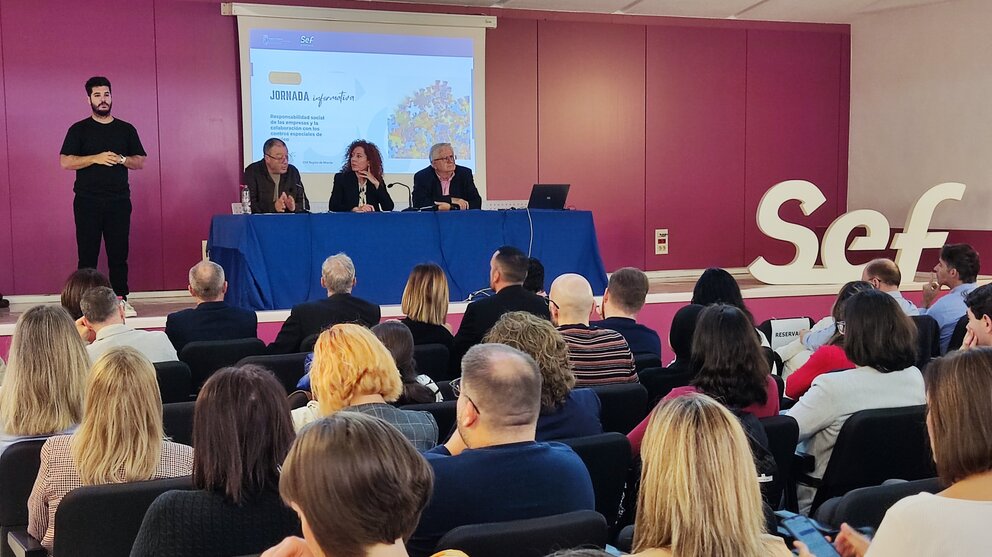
(445, 185)
(212, 318)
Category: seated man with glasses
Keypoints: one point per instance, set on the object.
(275, 185)
(444, 184)
(492, 469)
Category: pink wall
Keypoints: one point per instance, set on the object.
(656, 122)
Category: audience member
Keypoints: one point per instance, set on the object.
(417, 388)
(78, 283)
(717, 286)
(353, 371)
(507, 272)
(565, 412)
(959, 421)
(730, 366)
(622, 301)
(535, 276)
(699, 493)
(680, 337)
(884, 275)
(42, 392)
(425, 304)
(881, 340)
(212, 318)
(830, 356)
(598, 356)
(103, 314)
(358, 487)
(979, 302)
(492, 470)
(337, 275)
(957, 269)
(242, 432)
(119, 440)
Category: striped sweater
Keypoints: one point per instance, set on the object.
(598, 356)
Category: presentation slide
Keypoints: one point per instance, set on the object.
(319, 91)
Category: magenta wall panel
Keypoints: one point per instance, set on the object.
(695, 144)
(794, 94)
(591, 127)
(6, 208)
(511, 109)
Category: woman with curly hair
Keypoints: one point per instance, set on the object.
(565, 412)
(359, 187)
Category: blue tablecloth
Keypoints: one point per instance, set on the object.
(273, 261)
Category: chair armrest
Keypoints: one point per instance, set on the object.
(802, 465)
(23, 545)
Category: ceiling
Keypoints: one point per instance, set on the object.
(818, 11)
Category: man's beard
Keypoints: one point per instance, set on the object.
(101, 111)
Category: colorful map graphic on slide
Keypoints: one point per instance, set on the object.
(428, 116)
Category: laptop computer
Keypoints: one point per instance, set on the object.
(548, 196)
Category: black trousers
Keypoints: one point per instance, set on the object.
(111, 220)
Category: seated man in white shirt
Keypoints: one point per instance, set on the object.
(103, 314)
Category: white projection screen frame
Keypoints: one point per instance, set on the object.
(449, 48)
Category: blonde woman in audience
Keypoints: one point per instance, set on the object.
(565, 412)
(353, 371)
(42, 392)
(120, 440)
(699, 493)
(954, 521)
(358, 486)
(425, 304)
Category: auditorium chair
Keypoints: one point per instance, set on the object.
(432, 360)
(444, 415)
(444, 387)
(18, 469)
(645, 361)
(783, 436)
(288, 368)
(607, 457)
(307, 344)
(177, 421)
(624, 405)
(780, 332)
(533, 537)
(660, 381)
(957, 337)
(927, 340)
(873, 446)
(866, 506)
(99, 520)
(174, 381)
(207, 356)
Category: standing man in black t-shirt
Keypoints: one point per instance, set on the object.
(101, 149)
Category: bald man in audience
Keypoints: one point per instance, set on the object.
(884, 275)
(212, 318)
(624, 297)
(979, 332)
(103, 313)
(598, 356)
(492, 469)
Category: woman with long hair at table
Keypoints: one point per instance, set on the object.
(359, 186)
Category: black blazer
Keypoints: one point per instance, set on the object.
(482, 314)
(426, 333)
(344, 196)
(313, 317)
(210, 321)
(427, 188)
(260, 186)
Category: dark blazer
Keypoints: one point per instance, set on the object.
(427, 188)
(260, 187)
(426, 333)
(313, 317)
(641, 339)
(482, 314)
(344, 196)
(210, 321)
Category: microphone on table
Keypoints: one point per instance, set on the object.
(306, 202)
(409, 192)
(480, 293)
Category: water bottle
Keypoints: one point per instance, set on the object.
(245, 200)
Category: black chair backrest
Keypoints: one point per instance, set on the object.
(288, 368)
(174, 381)
(623, 406)
(18, 469)
(534, 537)
(645, 361)
(444, 387)
(927, 339)
(660, 381)
(874, 446)
(783, 436)
(307, 344)
(207, 356)
(866, 506)
(957, 337)
(177, 421)
(607, 457)
(103, 520)
(444, 415)
(432, 360)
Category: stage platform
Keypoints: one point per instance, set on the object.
(669, 291)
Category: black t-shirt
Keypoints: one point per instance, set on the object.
(89, 137)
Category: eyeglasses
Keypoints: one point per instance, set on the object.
(287, 158)
(450, 158)
(552, 303)
(456, 388)
(841, 326)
